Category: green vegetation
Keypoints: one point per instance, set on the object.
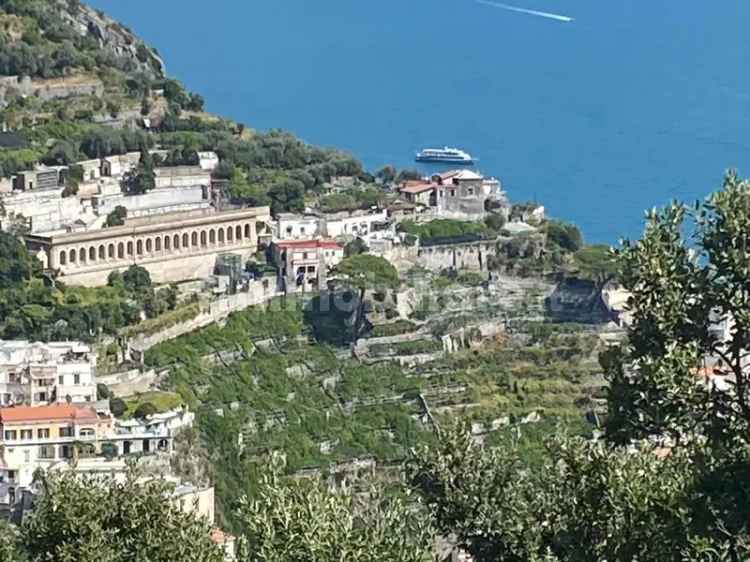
(148, 403)
(302, 521)
(394, 329)
(445, 231)
(116, 217)
(124, 522)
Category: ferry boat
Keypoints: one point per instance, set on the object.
(446, 154)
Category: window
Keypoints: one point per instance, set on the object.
(453, 192)
(311, 269)
(10, 435)
(66, 431)
(76, 379)
(65, 452)
(42, 397)
(61, 379)
(87, 432)
(47, 452)
(43, 433)
(27, 434)
(26, 456)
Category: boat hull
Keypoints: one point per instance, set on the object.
(439, 160)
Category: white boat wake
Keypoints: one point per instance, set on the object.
(556, 17)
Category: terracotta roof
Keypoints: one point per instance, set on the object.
(420, 187)
(62, 412)
(328, 244)
(220, 537)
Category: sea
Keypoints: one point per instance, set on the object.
(597, 109)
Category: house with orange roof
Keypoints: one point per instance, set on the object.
(34, 438)
(303, 265)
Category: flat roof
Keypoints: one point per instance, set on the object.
(57, 412)
(144, 225)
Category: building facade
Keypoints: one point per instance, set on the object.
(172, 247)
(36, 438)
(46, 373)
(303, 264)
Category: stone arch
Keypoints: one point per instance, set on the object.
(157, 243)
(72, 256)
(176, 241)
(221, 235)
(102, 252)
(63, 257)
(111, 251)
(92, 253)
(149, 245)
(230, 234)
(139, 247)
(82, 255)
(120, 250)
(238, 232)
(247, 230)
(212, 237)
(194, 239)
(185, 240)
(204, 239)
(130, 248)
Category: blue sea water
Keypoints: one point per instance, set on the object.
(632, 104)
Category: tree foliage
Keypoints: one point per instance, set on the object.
(305, 521)
(100, 520)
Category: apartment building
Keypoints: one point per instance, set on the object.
(34, 438)
(46, 373)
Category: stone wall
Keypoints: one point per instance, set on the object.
(215, 311)
(472, 256)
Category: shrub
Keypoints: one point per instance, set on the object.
(144, 410)
(118, 407)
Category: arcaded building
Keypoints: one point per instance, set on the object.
(172, 247)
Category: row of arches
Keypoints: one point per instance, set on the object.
(185, 242)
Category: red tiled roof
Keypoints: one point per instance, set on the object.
(419, 187)
(220, 537)
(62, 412)
(309, 244)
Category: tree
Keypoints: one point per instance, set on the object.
(143, 178)
(17, 266)
(387, 174)
(495, 222)
(408, 175)
(356, 246)
(118, 407)
(583, 501)
(10, 547)
(145, 410)
(88, 519)
(103, 392)
(116, 217)
(367, 272)
(303, 520)
(136, 279)
(681, 376)
(564, 235)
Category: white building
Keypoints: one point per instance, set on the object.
(34, 438)
(120, 164)
(365, 224)
(297, 227)
(182, 176)
(44, 209)
(156, 201)
(153, 435)
(208, 161)
(46, 373)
